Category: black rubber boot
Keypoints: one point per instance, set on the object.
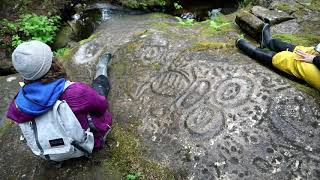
(265, 36)
(102, 65)
(101, 82)
(255, 53)
(102, 85)
(277, 45)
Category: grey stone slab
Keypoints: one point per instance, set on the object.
(250, 24)
(270, 16)
(288, 27)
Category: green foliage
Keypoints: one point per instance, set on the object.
(162, 2)
(244, 3)
(7, 26)
(218, 23)
(62, 52)
(133, 176)
(39, 28)
(177, 5)
(240, 36)
(185, 22)
(16, 41)
(31, 27)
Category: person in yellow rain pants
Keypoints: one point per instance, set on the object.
(299, 61)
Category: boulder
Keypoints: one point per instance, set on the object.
(6, 67)
(288, 27)
(195, 104)
(64, 36)
(250, 24)
(9, 88)
(270, 16)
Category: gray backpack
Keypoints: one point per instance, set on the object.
(57, 135)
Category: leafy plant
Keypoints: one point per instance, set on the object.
(218, 22)
(162, 2)
(185, 22)
(39, 28)
(177, 5)
(15, 41)
(244, 3)
(62, 52)
(133, 176)
(9, 26)
(31, 26)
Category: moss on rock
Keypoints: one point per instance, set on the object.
(126, 157)
(143, 3)
(288, 8)
(5, 126)
(299, 39)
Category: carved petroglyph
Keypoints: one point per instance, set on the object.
(150, 53)
(88, 52)
(169, 83)
(241, 117)
(297, 118)
(234, 91)
(155, 48)
(194, 94)
(203, 120)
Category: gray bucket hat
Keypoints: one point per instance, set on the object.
(32, 59)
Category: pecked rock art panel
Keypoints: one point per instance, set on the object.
(217, 120)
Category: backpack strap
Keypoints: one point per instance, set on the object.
(76, 145)
(90, 123)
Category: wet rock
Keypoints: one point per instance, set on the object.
(250, 24)
(205, 112)
(6, 67)
(64, 36)
(9, 88)
(268, 3)
(288, 27)
(264, 3)
(288, 7)
(270, 16)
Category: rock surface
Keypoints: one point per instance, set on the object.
(270, 16)
(203, 109)
(250, 24)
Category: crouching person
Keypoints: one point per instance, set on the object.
(58, 118)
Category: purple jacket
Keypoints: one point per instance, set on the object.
(83, 100)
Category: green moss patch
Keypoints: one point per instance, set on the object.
(158, 15)
(309, 90)
(143, 3)
(205, 45)
(82, 42)
(289, 8)
(219, 25)
(126, 158)
(5, 126)
(299, 39)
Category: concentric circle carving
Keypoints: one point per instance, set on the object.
(234, 91)
(204, 120)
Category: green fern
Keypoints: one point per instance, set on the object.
(185, 22)
(31, 27)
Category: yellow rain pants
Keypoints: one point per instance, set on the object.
(285, 61)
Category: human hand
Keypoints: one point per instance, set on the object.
(305, 57)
